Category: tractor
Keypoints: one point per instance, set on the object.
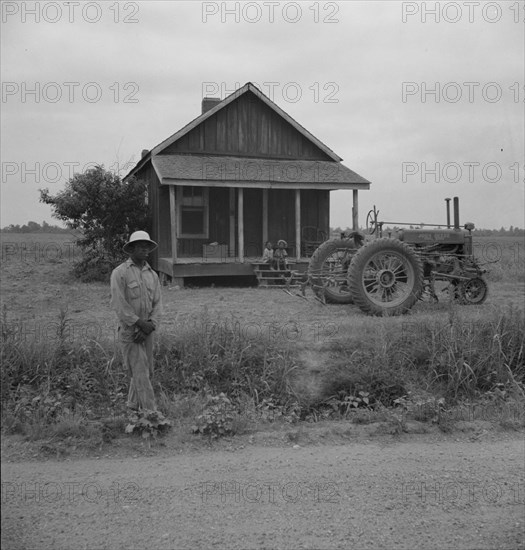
(387, 275)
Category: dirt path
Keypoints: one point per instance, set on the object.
(422, 493)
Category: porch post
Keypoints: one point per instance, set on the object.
(298, 224)
(264, 217)
(355, 214)
(173, 223)
(232, 222)
(240, 224)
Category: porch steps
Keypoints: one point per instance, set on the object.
(272, 278)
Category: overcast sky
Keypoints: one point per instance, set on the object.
(397, 89)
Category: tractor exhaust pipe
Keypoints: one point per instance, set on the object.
(448, 212)
(456, 212)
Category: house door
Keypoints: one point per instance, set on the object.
(253, 246)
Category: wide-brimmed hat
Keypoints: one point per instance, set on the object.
(282, 241)
(139, 236)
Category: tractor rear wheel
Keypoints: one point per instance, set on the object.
(328, 268)
(385, 277)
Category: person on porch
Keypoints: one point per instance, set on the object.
(267, 256)
(279, 261)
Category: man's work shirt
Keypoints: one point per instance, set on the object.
(135, 294)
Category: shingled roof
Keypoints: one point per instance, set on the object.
(229, 171)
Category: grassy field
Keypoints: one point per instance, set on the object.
(37, 287)
(504, 257)
(274, 355)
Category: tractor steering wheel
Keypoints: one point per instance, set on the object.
(371, 221)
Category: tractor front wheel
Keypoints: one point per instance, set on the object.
(472, 292)
(385, 277)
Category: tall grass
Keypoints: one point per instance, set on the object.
(44, 380)
(64, 382)
(469, 358)
(215, 357)
(454, 357)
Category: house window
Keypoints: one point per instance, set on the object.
(192, 212)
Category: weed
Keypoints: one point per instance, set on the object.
(217, 420)
(148, 424)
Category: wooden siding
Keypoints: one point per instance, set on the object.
(164, 221)
(315, 214)
(247, 127)
(148, 175)
(253, 245)
(281, 217)
(191, 248)
(219, 219)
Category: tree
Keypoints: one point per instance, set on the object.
(106, 210)
(33, 227)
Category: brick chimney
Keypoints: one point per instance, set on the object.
(209, 103)
(144, 153)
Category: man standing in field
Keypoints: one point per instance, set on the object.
(136, 299)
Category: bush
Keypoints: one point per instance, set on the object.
(106, 210)
(217, 420)
(95, 266)
(148, 424)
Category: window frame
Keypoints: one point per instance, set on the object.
(205, 210)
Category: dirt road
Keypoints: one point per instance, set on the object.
(419, 493)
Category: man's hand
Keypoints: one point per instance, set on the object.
(140, 336)
(145, 326)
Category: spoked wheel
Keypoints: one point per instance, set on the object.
(385, 277)
(473, 291)
(328, 268)
(371, 221)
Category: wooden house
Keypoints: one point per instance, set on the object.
(240, 174)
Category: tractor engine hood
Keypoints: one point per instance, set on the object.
(430, 236)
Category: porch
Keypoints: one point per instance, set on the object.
(220, 231)
(182, 268)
